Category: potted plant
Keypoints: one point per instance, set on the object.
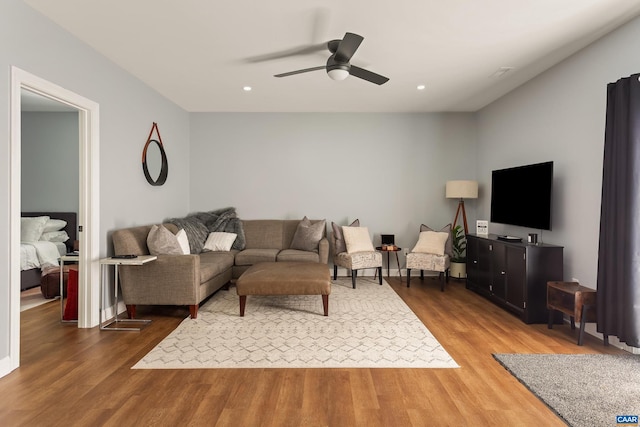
(459, 259)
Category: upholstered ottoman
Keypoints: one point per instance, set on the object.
(285, 278)
(50, 281)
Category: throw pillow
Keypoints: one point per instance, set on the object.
(448, 247)
(183, 241)
(196, 231)
(54, 236)
(31, 228)
(54, 225)
(161, 241)
(357, 239)
(220, 241)
(308, 235)
(431, 242)
(337, 233)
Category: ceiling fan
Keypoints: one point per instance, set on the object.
(338, 66)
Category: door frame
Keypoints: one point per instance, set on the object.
(89, 197)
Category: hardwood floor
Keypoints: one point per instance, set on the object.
(79, 377)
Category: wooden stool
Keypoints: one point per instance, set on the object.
(574, 300)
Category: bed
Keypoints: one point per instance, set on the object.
(30, 267)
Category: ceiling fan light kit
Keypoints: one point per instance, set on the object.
(338, 73)
(338, 66)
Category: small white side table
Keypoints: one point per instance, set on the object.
(63, 259)
(115, 321)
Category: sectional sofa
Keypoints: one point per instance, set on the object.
(190, 279)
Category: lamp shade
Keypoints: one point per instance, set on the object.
(462, 190)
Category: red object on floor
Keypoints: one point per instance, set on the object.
(71, 308)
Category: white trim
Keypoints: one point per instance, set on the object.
(5, 365)
(88, 218)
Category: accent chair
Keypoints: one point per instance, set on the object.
(353, 250)
(433, 252)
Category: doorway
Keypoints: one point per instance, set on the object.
(88, 212)
(49, 183)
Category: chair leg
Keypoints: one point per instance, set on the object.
(421, 274)
(447, 275)
(380, 275)
(441, 277)
(335, 272)
(353, 278)
(408, 277)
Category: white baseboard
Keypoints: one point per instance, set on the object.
(591, 329)
(109, 313)
(6, 366)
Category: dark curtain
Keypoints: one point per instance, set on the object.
(619, 251)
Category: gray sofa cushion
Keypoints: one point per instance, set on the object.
(214, 263)
(264, 234)
(298, 255)
(253, 256)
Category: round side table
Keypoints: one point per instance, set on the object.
(395, 249)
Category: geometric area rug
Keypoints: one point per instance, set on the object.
(367, 327)
(583, 389)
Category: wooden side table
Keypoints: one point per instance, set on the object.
(395, 249)
(576, 301)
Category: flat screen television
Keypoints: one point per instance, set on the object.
(522, 195)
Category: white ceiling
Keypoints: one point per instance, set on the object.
(198, 53)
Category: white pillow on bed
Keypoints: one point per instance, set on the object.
(54, 225)
(54, 236)
(31, 228)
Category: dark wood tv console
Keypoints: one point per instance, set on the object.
(514, 275)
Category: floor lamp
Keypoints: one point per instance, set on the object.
(461, 190)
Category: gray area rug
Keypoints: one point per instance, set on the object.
(583, 389)
(367, 327)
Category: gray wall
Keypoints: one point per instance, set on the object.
(388, 170)
(127, 110)
(560, 116)
(50, 155)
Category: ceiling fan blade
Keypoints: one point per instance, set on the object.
(348, 47)
(368, 75)
(294, 51)
(320, 24)
(305, 70)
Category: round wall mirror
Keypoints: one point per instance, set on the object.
(154, 162)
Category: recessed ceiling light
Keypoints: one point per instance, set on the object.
(247, 88)
(420, 87)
